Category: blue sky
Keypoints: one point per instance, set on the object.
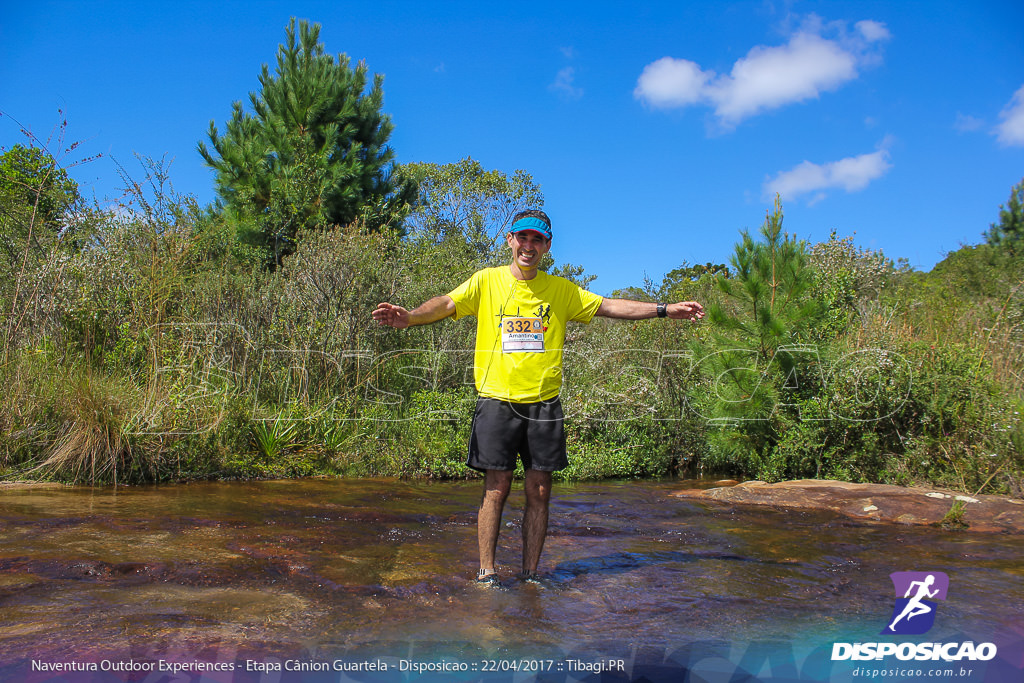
(657, 130)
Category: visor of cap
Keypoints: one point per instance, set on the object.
(532, 224)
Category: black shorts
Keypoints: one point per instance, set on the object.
(503, 430)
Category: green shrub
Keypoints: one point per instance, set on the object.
(436, 434)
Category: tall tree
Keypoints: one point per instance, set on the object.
(467, 202)
(313, 152)
(1009, 231)
(37, 198)
(469, 209)
(35, 195)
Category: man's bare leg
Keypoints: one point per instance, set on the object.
(535, 518)
(488, 522)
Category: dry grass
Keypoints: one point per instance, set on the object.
(96, 442)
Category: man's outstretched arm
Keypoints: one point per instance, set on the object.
(627, 309)
(438, 308)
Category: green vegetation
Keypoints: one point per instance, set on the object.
(313, 153)
(954, 518)
(1009, 231)
(150, 341)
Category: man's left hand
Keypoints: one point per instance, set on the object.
(685, 310)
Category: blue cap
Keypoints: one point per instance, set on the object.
(532, 223)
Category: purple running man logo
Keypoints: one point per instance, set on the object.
(916, 595)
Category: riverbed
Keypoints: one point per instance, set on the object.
(324, 574)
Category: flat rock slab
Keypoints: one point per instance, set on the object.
(30, 485)
(874, 502)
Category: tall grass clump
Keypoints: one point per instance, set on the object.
(96, 440)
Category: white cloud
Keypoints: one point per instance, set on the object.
(851, 174)
(563, 84)
(771, 77)
(767, 77)
(873, 31)
(1010, 130)
(965, 123)
(671, 83)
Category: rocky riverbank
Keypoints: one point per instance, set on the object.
(875, 502)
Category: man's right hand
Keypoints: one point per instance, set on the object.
(394, 316)
(438, 308)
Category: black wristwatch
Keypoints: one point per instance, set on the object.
(662, 310)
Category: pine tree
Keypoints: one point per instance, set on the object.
(759, 358)
(312, 154)
(1009, 232)
(770, 289)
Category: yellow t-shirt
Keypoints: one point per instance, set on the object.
(520, 330)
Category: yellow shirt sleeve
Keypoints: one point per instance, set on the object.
(467, 296)
(584, 304)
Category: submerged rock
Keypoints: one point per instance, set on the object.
(876, 502)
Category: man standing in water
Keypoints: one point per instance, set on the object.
(521, 317)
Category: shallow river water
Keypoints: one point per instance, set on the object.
(371, 580)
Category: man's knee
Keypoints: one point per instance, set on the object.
(537, 486)
(497, 484)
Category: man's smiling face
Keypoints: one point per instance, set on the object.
(528, 248)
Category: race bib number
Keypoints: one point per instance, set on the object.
(522, 334)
